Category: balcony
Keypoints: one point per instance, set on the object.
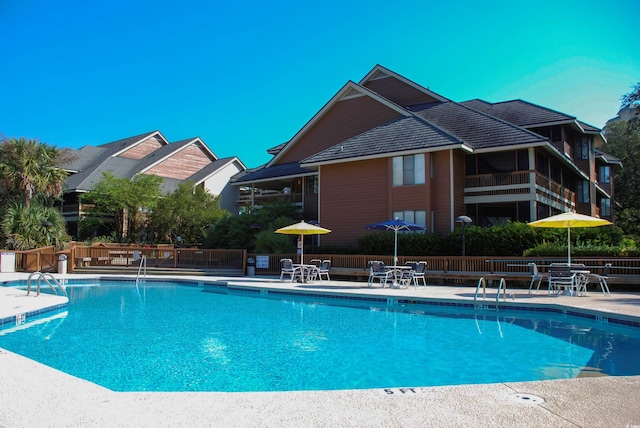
(517, 185)
(263, 196)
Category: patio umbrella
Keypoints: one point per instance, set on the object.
(302, 229)
(569, 220)
(395, 225)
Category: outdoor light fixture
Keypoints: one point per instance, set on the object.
(464, 220)
(47, 223)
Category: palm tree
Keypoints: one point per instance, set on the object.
(31, 167)
(26, 227)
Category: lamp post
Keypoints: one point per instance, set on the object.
(464, 220)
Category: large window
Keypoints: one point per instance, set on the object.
(603, 174)
(408, 170)
(583, 148)
(605, 207)
(583, 191)
(417, 217)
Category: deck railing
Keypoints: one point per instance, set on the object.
(235, 261)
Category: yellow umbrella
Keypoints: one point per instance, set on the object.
(569, 220)
(302, 229)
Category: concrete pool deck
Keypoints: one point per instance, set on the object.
(32, 394)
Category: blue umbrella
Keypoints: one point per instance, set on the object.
(395, 225)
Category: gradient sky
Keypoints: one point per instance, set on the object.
(246, 76)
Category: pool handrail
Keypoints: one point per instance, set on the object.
(46, 276)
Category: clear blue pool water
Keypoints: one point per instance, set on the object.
(171, 337)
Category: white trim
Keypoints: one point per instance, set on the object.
(277, 178)
(460, 146)
(132, 145)
(178, 150)
(388, 73)
(451, 195)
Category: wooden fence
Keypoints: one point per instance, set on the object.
(234, 262)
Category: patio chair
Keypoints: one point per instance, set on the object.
(378, 271)
(535, 276)
(602, 279)
(324, 270)
(560, 276)
(314, 272)
(419, 272)
(287, 268)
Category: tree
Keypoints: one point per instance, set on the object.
(623, 141)
(30, 167)
(240, 231)
(125, 201)
(187, 212)
(632, 99)
(30, 226)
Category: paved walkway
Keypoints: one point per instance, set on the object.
(36, 395)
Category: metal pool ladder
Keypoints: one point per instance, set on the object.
(501, 287)
(142, 268)
(48, 278)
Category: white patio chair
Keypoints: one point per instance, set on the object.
(535, 276)
(419, 272)
(378, 271)
(287, 268)
(324, 270)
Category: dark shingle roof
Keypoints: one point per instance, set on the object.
(403, 134)
(519, 112)
(475, 128)
(282, 170)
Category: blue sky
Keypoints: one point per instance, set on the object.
(246, 76)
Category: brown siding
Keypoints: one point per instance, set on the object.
(344, 120)
(183, 164)
(458, 183)
(399, 92)
(352, 196)
(141, 150)
(440, 194)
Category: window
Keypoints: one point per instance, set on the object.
(583, 147)
(417, 217)
(408, 170)
(583, 191)
(603, 174)
(605, 207)
(312, 185)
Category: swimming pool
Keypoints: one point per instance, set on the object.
(167, 336)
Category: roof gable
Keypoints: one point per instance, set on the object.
(350, 91)
(397, 88)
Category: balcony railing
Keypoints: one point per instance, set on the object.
(265, 196)
(518, 182)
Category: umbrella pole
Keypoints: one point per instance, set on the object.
(395, 248)
(301, 249)
(569, 243)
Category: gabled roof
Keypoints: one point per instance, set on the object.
(404, 135)
(169, 150)
(380, 72)
(521, 113)
(212, 168)
(350, 89)
(92, 161)
(607, 158)
(476, 129)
